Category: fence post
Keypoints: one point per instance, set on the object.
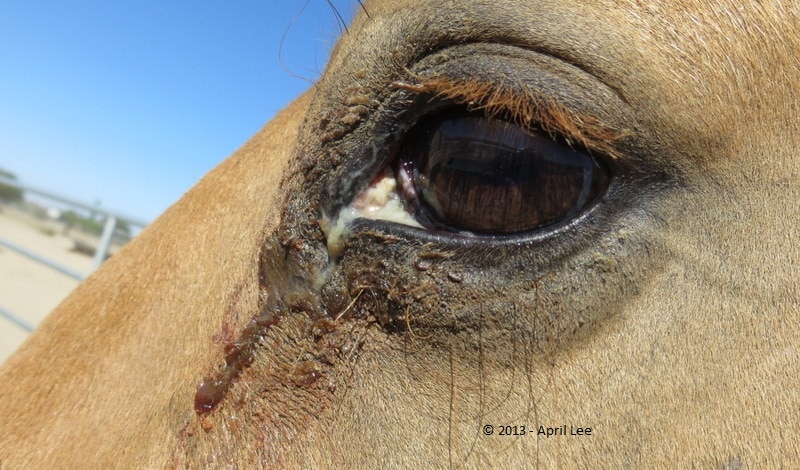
(105, 241)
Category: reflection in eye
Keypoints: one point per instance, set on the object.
(484, 175)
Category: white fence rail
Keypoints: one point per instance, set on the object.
(111, 220)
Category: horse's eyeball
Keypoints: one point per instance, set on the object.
(469, 172)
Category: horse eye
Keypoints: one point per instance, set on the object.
(473, 173)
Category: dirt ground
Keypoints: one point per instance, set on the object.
(28, 289)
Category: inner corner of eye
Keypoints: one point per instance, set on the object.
(380, 200)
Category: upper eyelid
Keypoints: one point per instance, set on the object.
(525, 107)
(531, 88)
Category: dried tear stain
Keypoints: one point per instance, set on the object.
(238, 355)
(320, 325)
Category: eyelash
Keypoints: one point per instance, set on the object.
(530, 110)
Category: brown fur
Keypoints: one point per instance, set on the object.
(668, 320)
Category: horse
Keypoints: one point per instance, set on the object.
(496, 233)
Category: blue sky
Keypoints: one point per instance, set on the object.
(131, 103)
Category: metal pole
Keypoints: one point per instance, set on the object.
(29, 254)
(105, 241)
(71, 202)
(16, 320)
